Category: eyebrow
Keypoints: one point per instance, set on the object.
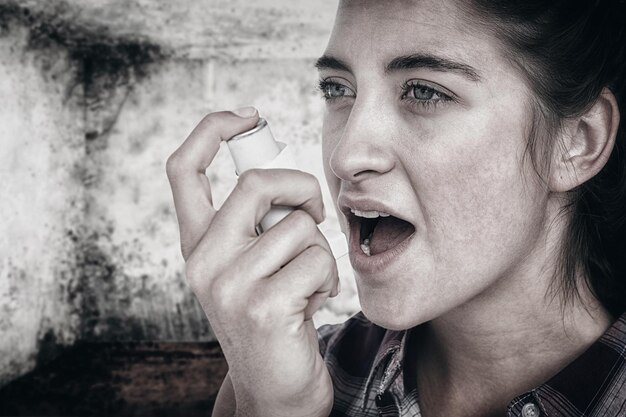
(330, 62)
(414, 61)
(435, 63)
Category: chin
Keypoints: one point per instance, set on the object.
(390, 313)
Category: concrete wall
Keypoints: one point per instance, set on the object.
(95, 96)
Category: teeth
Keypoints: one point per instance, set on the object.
(365, 247)
(369, 214)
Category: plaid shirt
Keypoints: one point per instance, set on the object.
(366, 365)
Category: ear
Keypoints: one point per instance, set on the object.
(586, 144)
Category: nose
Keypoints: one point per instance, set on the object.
(364, 149)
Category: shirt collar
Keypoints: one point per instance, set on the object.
(580, 385)
(387, 362)
(590, 382)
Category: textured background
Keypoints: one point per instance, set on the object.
(94, 96)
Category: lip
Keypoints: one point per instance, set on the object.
(346, 203)
(375, 263)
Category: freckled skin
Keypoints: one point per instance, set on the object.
(438, 139)
(455, 170)
(479, 269)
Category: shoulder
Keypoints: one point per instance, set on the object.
(595, 381)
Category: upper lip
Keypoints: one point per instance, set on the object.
(365, 203)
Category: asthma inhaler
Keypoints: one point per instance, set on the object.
(257, 148)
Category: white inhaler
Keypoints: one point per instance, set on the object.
(257, 148)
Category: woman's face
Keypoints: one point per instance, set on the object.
(427, 121)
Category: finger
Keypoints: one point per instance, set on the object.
(257, 190)
(307, 281)
(186, 172)
(283, 242)
(316, 301)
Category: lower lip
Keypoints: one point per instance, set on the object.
(375, 263)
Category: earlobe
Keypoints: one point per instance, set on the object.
(586, 144)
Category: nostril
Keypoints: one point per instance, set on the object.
(360, 164)
(367, 173)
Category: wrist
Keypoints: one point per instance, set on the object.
(313, 404)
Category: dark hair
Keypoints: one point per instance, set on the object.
(569, 52)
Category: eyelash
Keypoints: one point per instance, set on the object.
(407, 88)
(323, 86)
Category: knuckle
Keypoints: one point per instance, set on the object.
(320, 255)
(314, 184)
(172, 165)
(214, 291)
(303, 222)
(327, 261)
(209, 120)
(213, 118)
(251, 180)
(258, 311)
(222, 295)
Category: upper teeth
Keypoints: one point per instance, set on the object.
(369, 214)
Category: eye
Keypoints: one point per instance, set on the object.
(421, 92)
(332, 89)
(426, 94)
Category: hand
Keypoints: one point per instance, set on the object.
(258, 292)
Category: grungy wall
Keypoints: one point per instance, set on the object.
(41, 151)
(95, 96)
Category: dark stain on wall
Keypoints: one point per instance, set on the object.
(112, 305)
(102, 295)
(107, 72)
(106, 67)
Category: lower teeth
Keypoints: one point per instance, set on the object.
(365, 247)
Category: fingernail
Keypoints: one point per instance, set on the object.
(245, 112)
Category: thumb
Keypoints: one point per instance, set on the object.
(203, 142)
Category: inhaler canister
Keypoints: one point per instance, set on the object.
(257, 148)
(253, 148)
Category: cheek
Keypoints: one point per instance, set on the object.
(480, 200)
(482, 213)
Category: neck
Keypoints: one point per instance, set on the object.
(476, 358)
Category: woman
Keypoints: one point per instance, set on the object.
(489, 132)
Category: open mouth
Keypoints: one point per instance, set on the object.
(380, 232)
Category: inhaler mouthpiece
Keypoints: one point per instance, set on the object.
(257, 148)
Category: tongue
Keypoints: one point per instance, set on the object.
(389, 232)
